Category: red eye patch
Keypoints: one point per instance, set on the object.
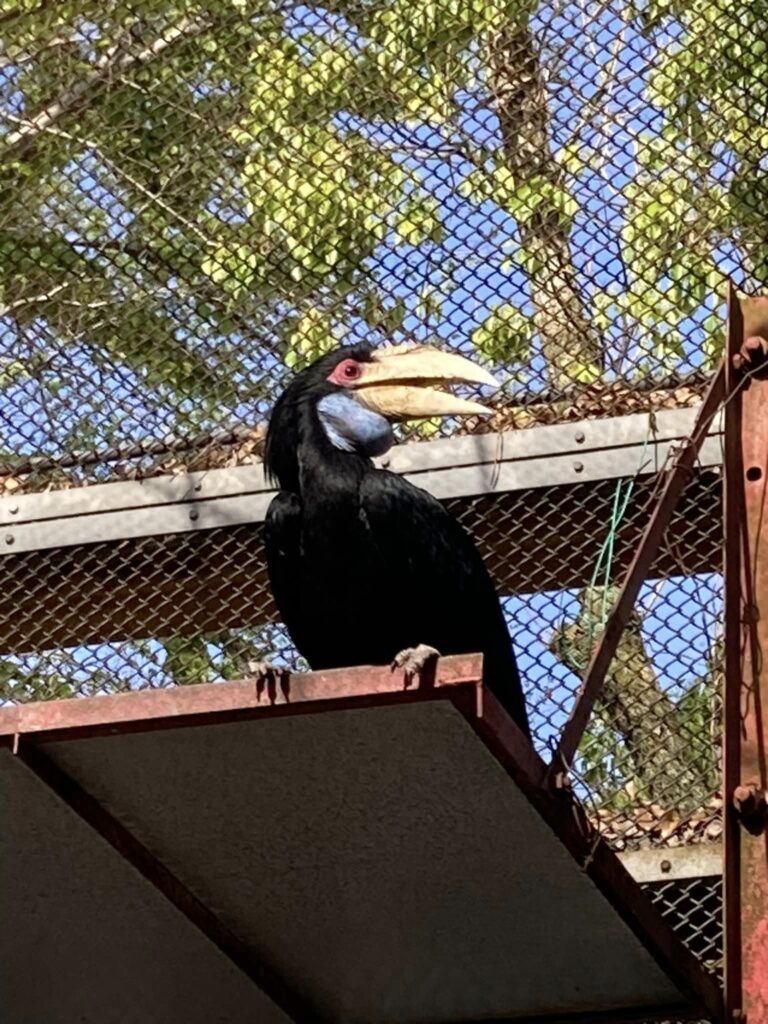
(347, 372)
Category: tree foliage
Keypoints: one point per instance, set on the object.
(181, 181)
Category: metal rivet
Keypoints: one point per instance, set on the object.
(194, 514)
(578, 467)
(666, 866)
(9, 538)
(579, 437)
(13, 509)
(198, 487)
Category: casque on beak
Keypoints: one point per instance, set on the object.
(396, 383)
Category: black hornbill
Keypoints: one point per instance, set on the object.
(366, 568)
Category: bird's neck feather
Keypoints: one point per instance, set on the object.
(305, 461)
(327, 474)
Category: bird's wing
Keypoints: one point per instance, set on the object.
(419, 537)
(436, 561)
(427, 584)
(282, 544)
(439, 581)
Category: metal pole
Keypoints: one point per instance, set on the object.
(749, 796)
(733, 535)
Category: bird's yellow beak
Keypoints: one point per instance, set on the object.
(396, 383)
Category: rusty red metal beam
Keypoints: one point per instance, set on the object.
(291, 693)
(605, 649)
(565, 816)
(733, 520)
(28, 727)
(754, 712)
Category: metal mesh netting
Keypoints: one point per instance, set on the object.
(195, 200)
(694, 907)
(195, 607)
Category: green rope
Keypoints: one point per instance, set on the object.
(604, 561)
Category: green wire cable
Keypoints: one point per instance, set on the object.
(605, 557)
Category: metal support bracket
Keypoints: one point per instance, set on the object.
(733, 536)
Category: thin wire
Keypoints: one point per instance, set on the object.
(605, 557)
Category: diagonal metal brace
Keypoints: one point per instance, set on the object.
(293, 1003)
(605, 649)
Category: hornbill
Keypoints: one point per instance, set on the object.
(365, 567)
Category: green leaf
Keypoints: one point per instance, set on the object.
(187, 659)
(419, 221)
(311, 338)
(714, 340)
(602, 303)
(505, 335)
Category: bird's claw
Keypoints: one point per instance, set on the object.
(263, 671)
(414, 660)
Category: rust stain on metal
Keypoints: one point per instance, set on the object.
(186, 705)
(733, 528)
(756, 962)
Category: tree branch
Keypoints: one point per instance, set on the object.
(569, 341)
(33, 300)
(118, 59)
(660, 754)
(124, 177)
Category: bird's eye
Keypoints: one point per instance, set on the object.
(346, 372)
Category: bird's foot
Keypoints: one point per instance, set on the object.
(267, 676)
(264, 670)
(416, 661)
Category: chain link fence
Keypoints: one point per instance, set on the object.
(196, 200)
